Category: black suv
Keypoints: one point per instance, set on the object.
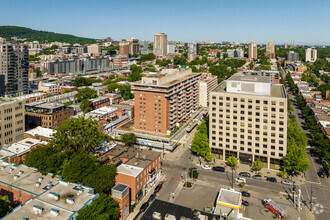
(244, 174)
(144, 206)
(272, 179)
(158, 187)
(219, 169)
(245, 194)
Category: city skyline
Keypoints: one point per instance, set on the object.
(184, 21)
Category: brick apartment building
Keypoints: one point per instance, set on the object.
(47, 115)
(100, 102)
(162, 101)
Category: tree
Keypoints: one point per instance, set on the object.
(67, 91)
(193, 172)
(79, 135)
(296, 160)
(147, 57)
(129, 138)
(258, 165)
(232, 162)
(251, 65)
(86, 93)
(112, 87)
(135, 74)
(38, 72)
(103, 207)
(5, 206)
(102, 179)
(79, 167)
(86, 106)
(84, 81)
(125, 91)
(200, 143)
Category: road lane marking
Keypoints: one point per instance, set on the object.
(315, 169)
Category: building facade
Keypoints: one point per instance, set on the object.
(270, 50)
(310, 55)
(253, 54)
(163, 101)
(248, 119)
(14, 69)
(171, 47)
(160, 44)
(192, 50)
(47, 115)
(12, 121)
(94, 49)
(206, 85)
(292, 56)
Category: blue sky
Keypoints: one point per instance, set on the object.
(278, 21)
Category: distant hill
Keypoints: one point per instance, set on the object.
(41, 36)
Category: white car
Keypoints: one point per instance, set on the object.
(240, 180)
(206, 167)
(287, 182)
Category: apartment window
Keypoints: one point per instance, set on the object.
(235, 99)
(228, 98)
(242, 106)
(257, 151)
(265, 108)
(281, 148)
(220, 98)
(273, 109)
(273, 103)
(242, 148)
(265, 102)
(265, 152)
(281, 109)
(281, 103)
(250, 100)
(258, 101)
(257, 138)
(242, 100)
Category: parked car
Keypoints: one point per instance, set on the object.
(245, 174)
(240, 180)
(152, 197)
(257, 177)
(144, 206)
(206, 167)
(287, 182)
(158, 187)
(219, 169)
(245, 194)
(246, 203)
(321, 173)
(272, 179)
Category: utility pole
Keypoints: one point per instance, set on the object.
(293, 192)
(299, 199)
(232, 177)
(311, 199)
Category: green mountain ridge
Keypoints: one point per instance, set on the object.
(41, 36)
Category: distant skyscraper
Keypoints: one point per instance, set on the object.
(133, 46)
(160, 44)
(14, 68)
(292, 56)
(253, 51)
(192, 50)
(124, 48)
(237, 53)
(270, 50)
(286, 46)
(310, 55)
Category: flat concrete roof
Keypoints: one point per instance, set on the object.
(64, 190)
(27, 211)
(9, 172)
(277, 90)
(230, 197)
(245, 78)
(129, 170)
(41, 131)
(25, 145)
(5, 153)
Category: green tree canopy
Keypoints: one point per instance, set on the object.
(86, 106)
(86, 93)
(147, 57)
(200, 143)
(5, 206)
(129, 138)
(232, 161)
(135, 74)
(258, 165)
(79, 135)
(84, 81)
(103, 207)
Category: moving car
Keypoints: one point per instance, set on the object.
(272, 179)
(245, 194)
(287, 182)
(206, 167)
(144, 206)
(219, 169)
(152, 197)
(245, 203)
(257, 177)
(240, 180)
(245, 174)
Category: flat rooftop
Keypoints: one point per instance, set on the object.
(24, 145)
(129, 170)
(5, 154)
(277, 90)
(120, 187)
(230, 197)
(129, 127)
(256, 79)
(68, 190)
(27, 211)
(41, 131)
(179, 212)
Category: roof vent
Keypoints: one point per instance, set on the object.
(54, 195)
(11, 169)
(40, 178)
(16, 177)
(157, 215)
(136, 163)
(54, 212)
(37, 209)
(20, 172)
(69, 200)
(80, 191)
(38, 184)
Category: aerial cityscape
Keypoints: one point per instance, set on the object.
(168, 110)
